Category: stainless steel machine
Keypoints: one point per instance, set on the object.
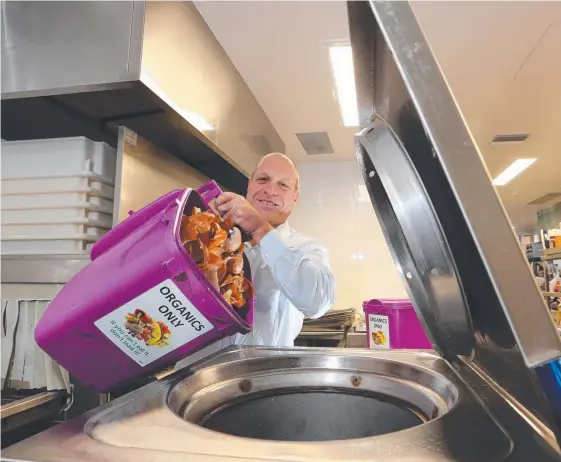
(490, 391)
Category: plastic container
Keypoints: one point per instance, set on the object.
(139, 265)
(55, 214)
(61, 182)
(77, 244)
(53, 199)
(69, 228)
(78, 214)
(54, 230)
(57, 195)
(393, 324)
(32, 214)
(56, 156)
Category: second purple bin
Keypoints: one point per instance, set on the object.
(393, 323)
(140, 275)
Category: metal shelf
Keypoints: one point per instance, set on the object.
(26, 412)
(15, 402)
(555, 256)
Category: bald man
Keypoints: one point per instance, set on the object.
(291, 273)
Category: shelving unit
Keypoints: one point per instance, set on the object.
(546, 258)
(24, 412)
(553, 256)
(550, 257)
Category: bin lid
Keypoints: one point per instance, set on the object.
(447, 230)
(395, 303)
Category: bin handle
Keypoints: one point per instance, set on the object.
(209, 191)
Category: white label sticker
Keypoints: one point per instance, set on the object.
(379, 326)
(154, 323)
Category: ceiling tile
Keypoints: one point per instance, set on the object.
(545, 59)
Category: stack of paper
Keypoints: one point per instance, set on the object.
(334, 320)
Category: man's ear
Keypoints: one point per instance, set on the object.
(297, 195)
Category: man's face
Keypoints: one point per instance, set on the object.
(272, 190)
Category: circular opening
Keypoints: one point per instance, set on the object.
(311, 398)
(321, 415)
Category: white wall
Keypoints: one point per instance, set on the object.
(329, 210)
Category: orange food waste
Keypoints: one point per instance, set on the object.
(217, 249)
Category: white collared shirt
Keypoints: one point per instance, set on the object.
(291, 278)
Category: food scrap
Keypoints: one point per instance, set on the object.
(216, 246)
(142, 327)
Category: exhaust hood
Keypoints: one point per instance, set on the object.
(86, 68)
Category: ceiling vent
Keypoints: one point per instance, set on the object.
(546, 198)
(315, 143)
(512, 138)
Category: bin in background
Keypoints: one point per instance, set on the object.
(393, 324)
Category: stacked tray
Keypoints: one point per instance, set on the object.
(57, 195)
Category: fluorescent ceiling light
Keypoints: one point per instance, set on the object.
(196, 120)
(343, 72)
(512, 171)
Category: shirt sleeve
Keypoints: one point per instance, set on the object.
(302, 273)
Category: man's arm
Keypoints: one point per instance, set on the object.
(303, 274)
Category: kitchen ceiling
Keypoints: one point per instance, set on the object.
(502, 61)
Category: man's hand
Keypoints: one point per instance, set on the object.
(242, 214)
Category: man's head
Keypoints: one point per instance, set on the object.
(273, 188)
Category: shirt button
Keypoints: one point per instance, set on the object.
(265, 255)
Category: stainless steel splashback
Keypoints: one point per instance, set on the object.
(448, 231)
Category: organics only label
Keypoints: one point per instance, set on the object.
(154, 323)
(379, 326)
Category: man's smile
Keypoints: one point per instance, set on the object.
(267, 203)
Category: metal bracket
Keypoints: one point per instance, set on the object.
(68, 404)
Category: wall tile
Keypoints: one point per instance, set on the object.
(328, 210)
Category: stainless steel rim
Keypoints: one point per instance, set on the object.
(426, 393)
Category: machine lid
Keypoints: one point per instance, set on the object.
(447, 229)
(448, 232)
(415, 238)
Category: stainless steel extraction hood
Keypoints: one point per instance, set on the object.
(86, 68)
